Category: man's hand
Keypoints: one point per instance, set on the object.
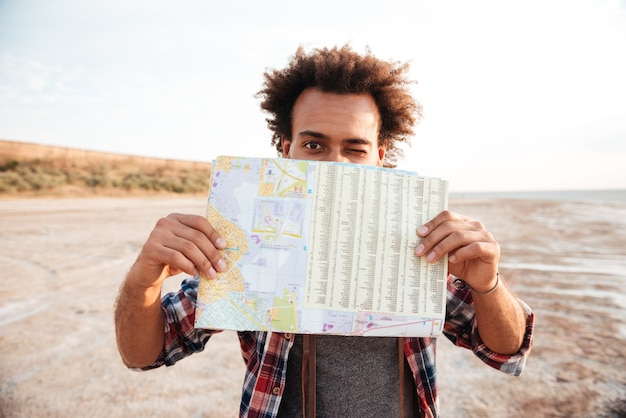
(473, 253)
(179, 243)
(473, 256)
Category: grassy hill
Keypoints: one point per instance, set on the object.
(40, 170)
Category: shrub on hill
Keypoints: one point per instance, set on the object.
(42, 176)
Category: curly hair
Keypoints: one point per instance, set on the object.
(343, 71)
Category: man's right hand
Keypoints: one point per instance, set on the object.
(178, 243)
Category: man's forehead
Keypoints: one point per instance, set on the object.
(315, 95)
(320, 112)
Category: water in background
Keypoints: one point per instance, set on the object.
(563, 253)
(567, 242)
(614, 195)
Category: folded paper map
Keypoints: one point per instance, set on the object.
(322, 248)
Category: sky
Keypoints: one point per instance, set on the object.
(516, 95)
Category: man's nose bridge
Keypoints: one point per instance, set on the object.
(336, 154)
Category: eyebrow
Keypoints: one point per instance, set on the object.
(319, 135)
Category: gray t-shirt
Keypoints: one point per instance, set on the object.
(356, 377)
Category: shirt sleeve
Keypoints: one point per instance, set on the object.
(461, 329)
(181, 338)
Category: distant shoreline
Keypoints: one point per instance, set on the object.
(62, 172)
(595, 196)
(608, 195)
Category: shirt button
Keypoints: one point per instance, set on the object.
(459, 284)
(276, 390)
(288, 336)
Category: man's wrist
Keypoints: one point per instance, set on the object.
(491, 290)
(138, 293)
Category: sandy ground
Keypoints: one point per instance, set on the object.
(63, 260)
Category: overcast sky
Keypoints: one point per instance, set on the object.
(517, 95)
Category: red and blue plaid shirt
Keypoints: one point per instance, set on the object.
(265, 354)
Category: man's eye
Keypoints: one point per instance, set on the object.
(312, 145)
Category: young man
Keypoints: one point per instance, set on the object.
(330, 105)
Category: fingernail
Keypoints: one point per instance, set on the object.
(221, 265)
(420, 249)
(452, 258)
(220, 242)
(422, 230)
(431, 256)
(212, 273)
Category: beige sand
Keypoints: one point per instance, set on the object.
(63, 260)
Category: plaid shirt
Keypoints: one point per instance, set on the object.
(265, 354)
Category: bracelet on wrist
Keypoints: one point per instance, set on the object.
(490, 290)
